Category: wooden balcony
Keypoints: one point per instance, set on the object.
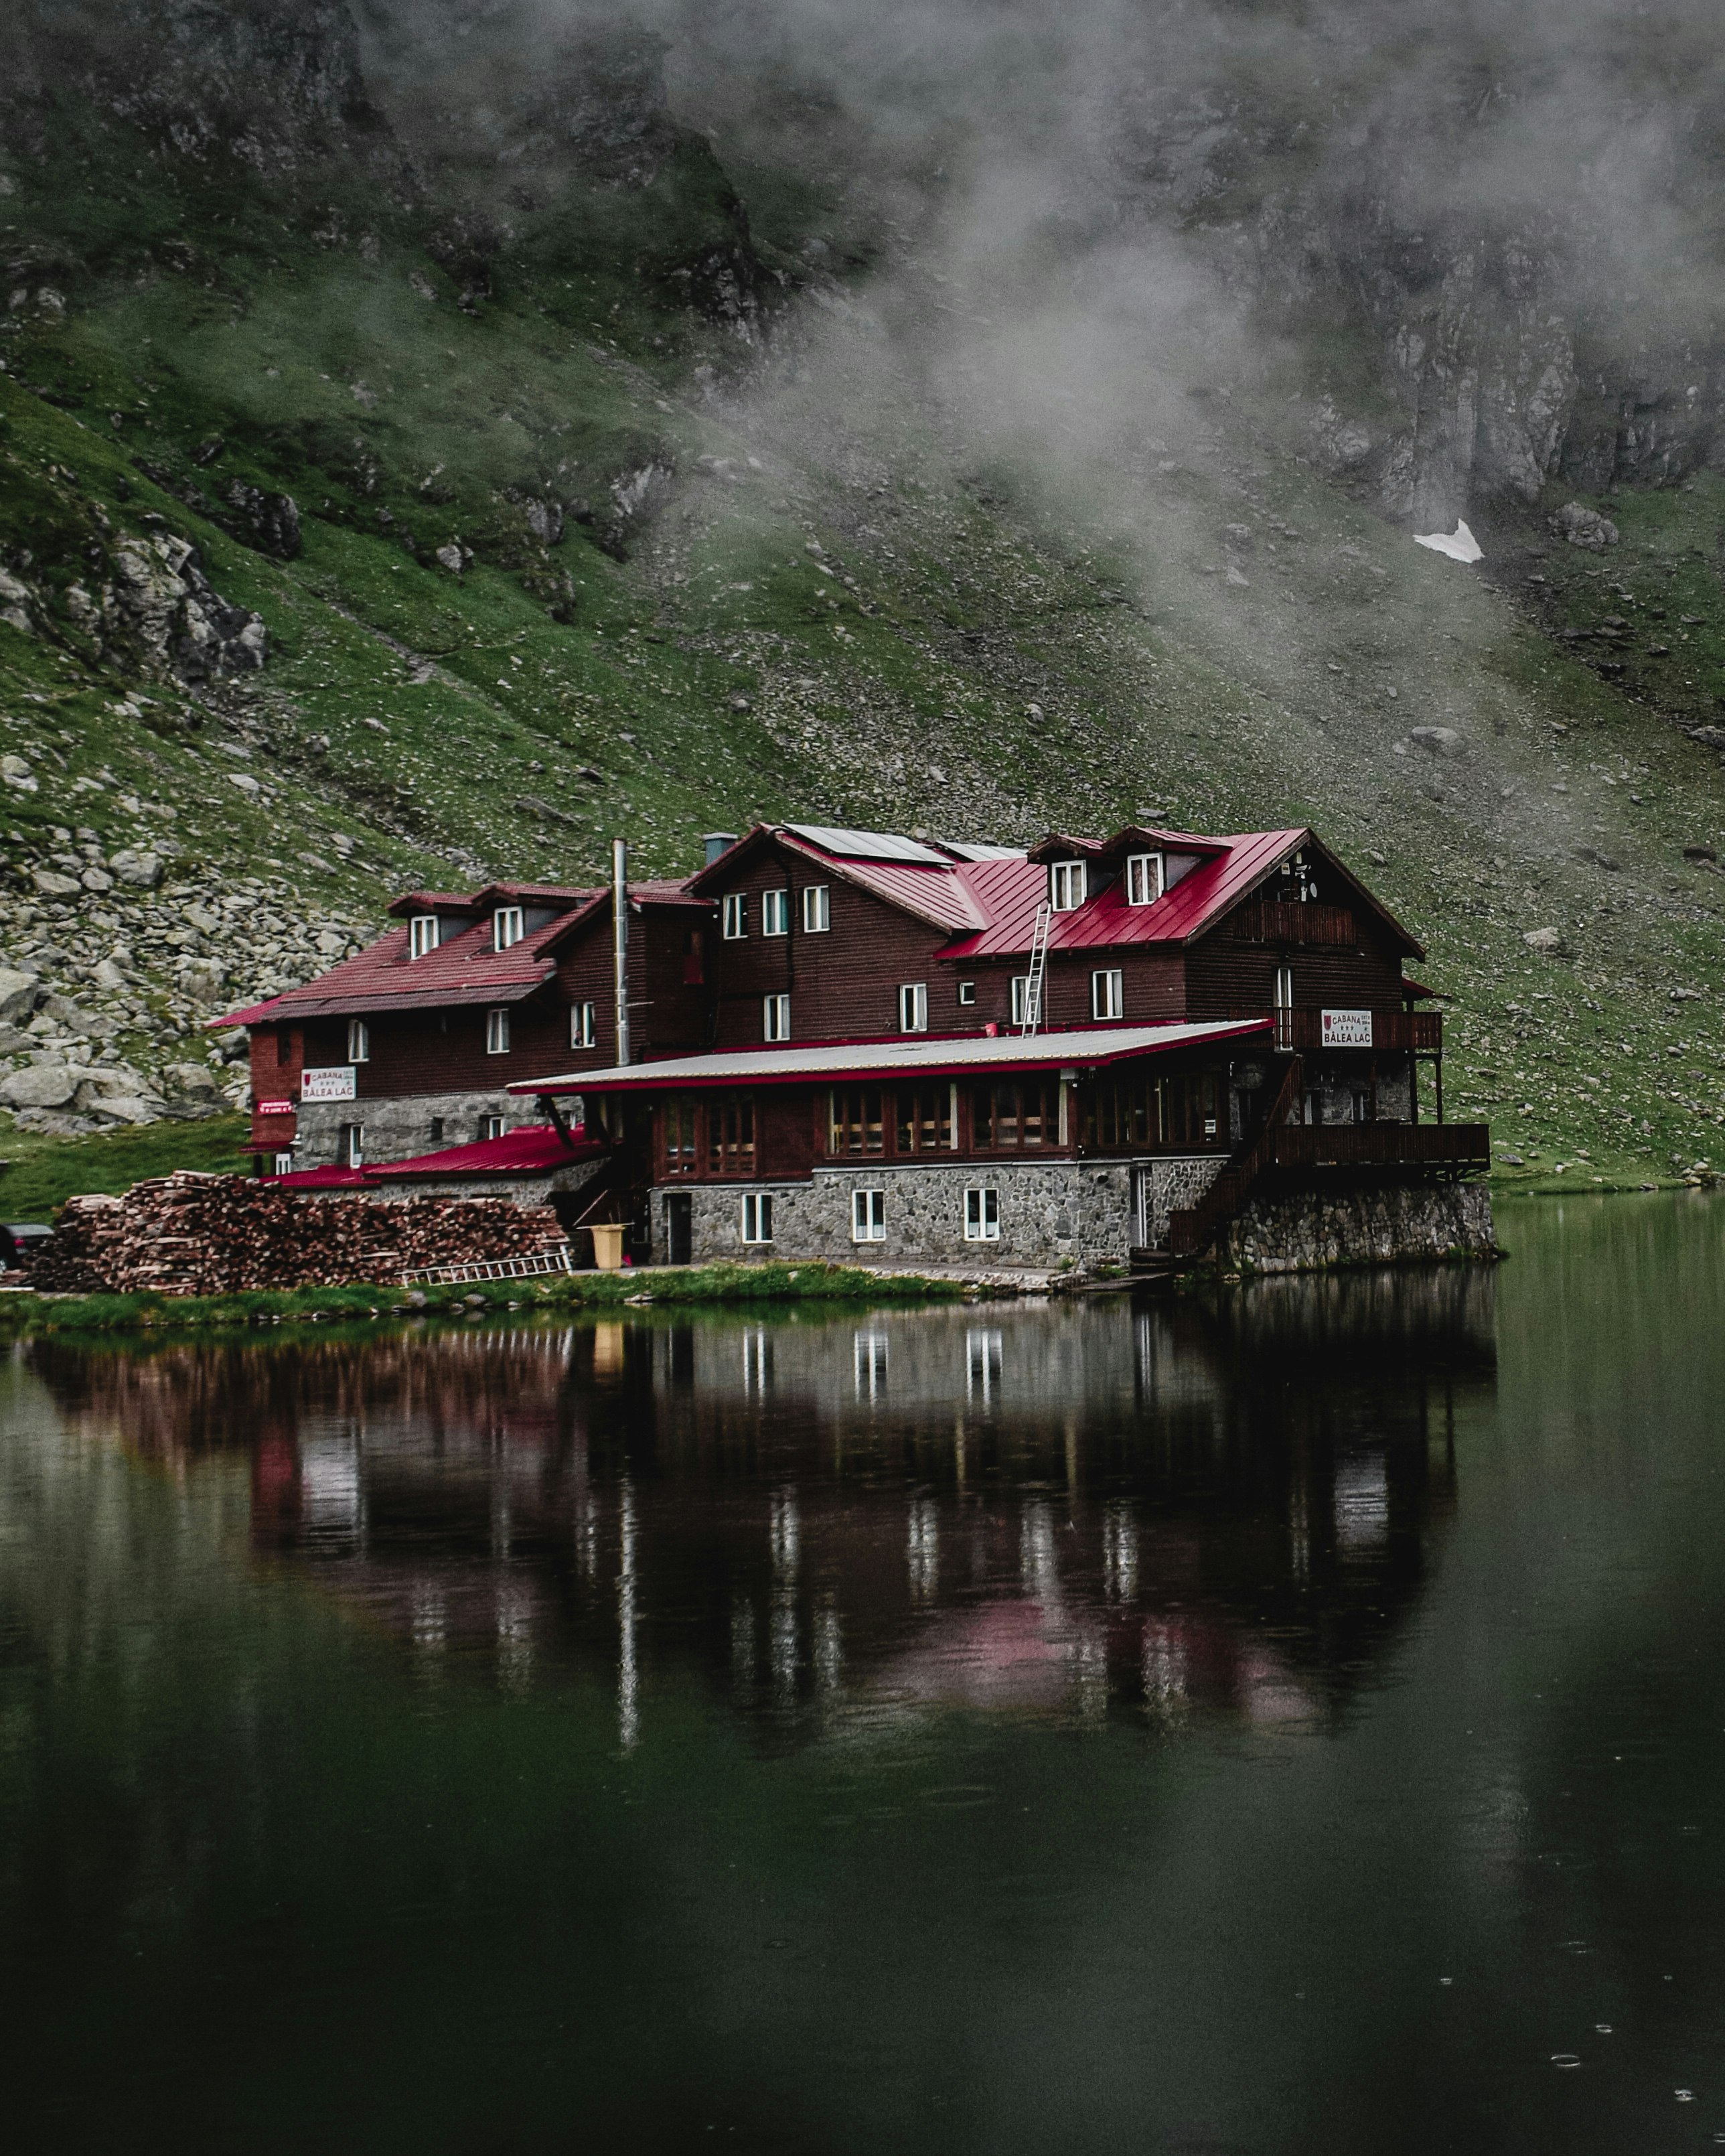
(1381, 1145)
(1277, 920)
(1421, 1031)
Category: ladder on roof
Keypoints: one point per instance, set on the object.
(1039, 968)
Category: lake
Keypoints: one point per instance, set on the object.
(1288, 1719)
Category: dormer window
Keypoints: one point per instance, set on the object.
(1066, 887)
(506, 927)
(1146, 879)
(423, 937)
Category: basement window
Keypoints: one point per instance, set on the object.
(359, 1041)
(757, 1216)
(867, 1216)
(982, 1216)
(497, 1033)
(506, 927)
(423, 935)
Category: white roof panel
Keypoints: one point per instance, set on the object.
(867, 845)
(968, 850)
(1083, 1046)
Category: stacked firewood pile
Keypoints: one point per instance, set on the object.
(211, 1234)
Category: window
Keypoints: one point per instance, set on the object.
(506, 927)
(967, 992)
(694, 958)
(1107, 993)
(285, 1044)
(584, 1025)
(1123, 1115)
(497, 1033)
(982, 1216)
(913, 1008)
(731, 1135)
(775, 1017)
(422, 936)
(359, 1041)
(734, 915)
(1145, 875)
(925, 1118)
(1020, 997)
(353, 1145)
(1065, 885)
(817, 910)
(775, 913)
(284, 1163)
(1013, 1115)
(1362, 1100)
(757, 1216)
(494, 1126)
(1284, 995)
(680, 1137)
(436, 1130)
(854, 1124)
(1192, 1109)
(867, 1216)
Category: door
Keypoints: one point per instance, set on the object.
(679, 1228)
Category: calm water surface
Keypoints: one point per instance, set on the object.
(1291, 1723)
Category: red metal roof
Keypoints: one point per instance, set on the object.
(937, 893)
(531, 1148)
(328, 1179)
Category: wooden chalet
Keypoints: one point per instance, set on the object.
(842, 1043)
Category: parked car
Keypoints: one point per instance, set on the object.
(20, 1240)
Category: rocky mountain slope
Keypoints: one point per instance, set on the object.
(416, 465)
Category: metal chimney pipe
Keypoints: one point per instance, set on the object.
(716, 843)
(620, 940)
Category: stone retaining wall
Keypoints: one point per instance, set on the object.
(1384, 1224)
(399, 1128)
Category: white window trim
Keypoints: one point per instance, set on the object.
(868, 1216)
(1149, 872)
(756, 1205)
(1020, 997)
(508, 927)
(776, 902)
(734, 916)
(1107, 992)
(1064, 878)
(913, 1007)
(817, 910)
(979, 1226)
(425, 934)
(584, 1025)
(776, 1018)
(967, 993)
(359, 1041)
(497, 1031)
(496, 1127)
(353, 1145)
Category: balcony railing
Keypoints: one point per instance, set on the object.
(1383, 1145)
(1302, 1030)
(1278, 920)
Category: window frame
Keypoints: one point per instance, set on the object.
(424, 935)
(1108, 988)
(913, 1007)
(776, 911)
(493, 1127)
(1018, 997)
(867, 1214)
(734, 917)
(967, 994)
(353, 1145)
(755, 1214)
(359, 1041)
(497, 1030)
(508, 927)
(982, 1213)
(1063, 878)
(776, 1018)
(817, 909)
(584, 1025)
(1142, 869)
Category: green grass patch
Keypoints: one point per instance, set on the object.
(42, 1172)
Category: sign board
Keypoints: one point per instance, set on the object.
(1340, 1029)
(275, 1107)
(337, 1083)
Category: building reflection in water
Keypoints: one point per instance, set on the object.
(1090, 1511)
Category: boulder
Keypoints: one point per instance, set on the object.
(1584, 527)
(18, 992)
(1543, 939)
(15, 772)
(95, 879)
(1439, 740)
(192, 1078)
(143, 870)
(53, 885)
(124, 1108)
(38, 1086)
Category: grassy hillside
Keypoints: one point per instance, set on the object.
(699, 567)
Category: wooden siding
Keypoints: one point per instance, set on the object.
(1227, 975)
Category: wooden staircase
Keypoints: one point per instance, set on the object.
(1191, 1229)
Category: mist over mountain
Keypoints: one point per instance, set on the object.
(485, 425)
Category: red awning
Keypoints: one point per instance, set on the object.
(530, 1149)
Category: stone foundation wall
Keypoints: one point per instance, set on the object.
(399, 1128)
(1050, 1210)
(1174, 1186)
(1386, 1224)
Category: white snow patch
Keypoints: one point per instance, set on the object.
(1460, 545)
